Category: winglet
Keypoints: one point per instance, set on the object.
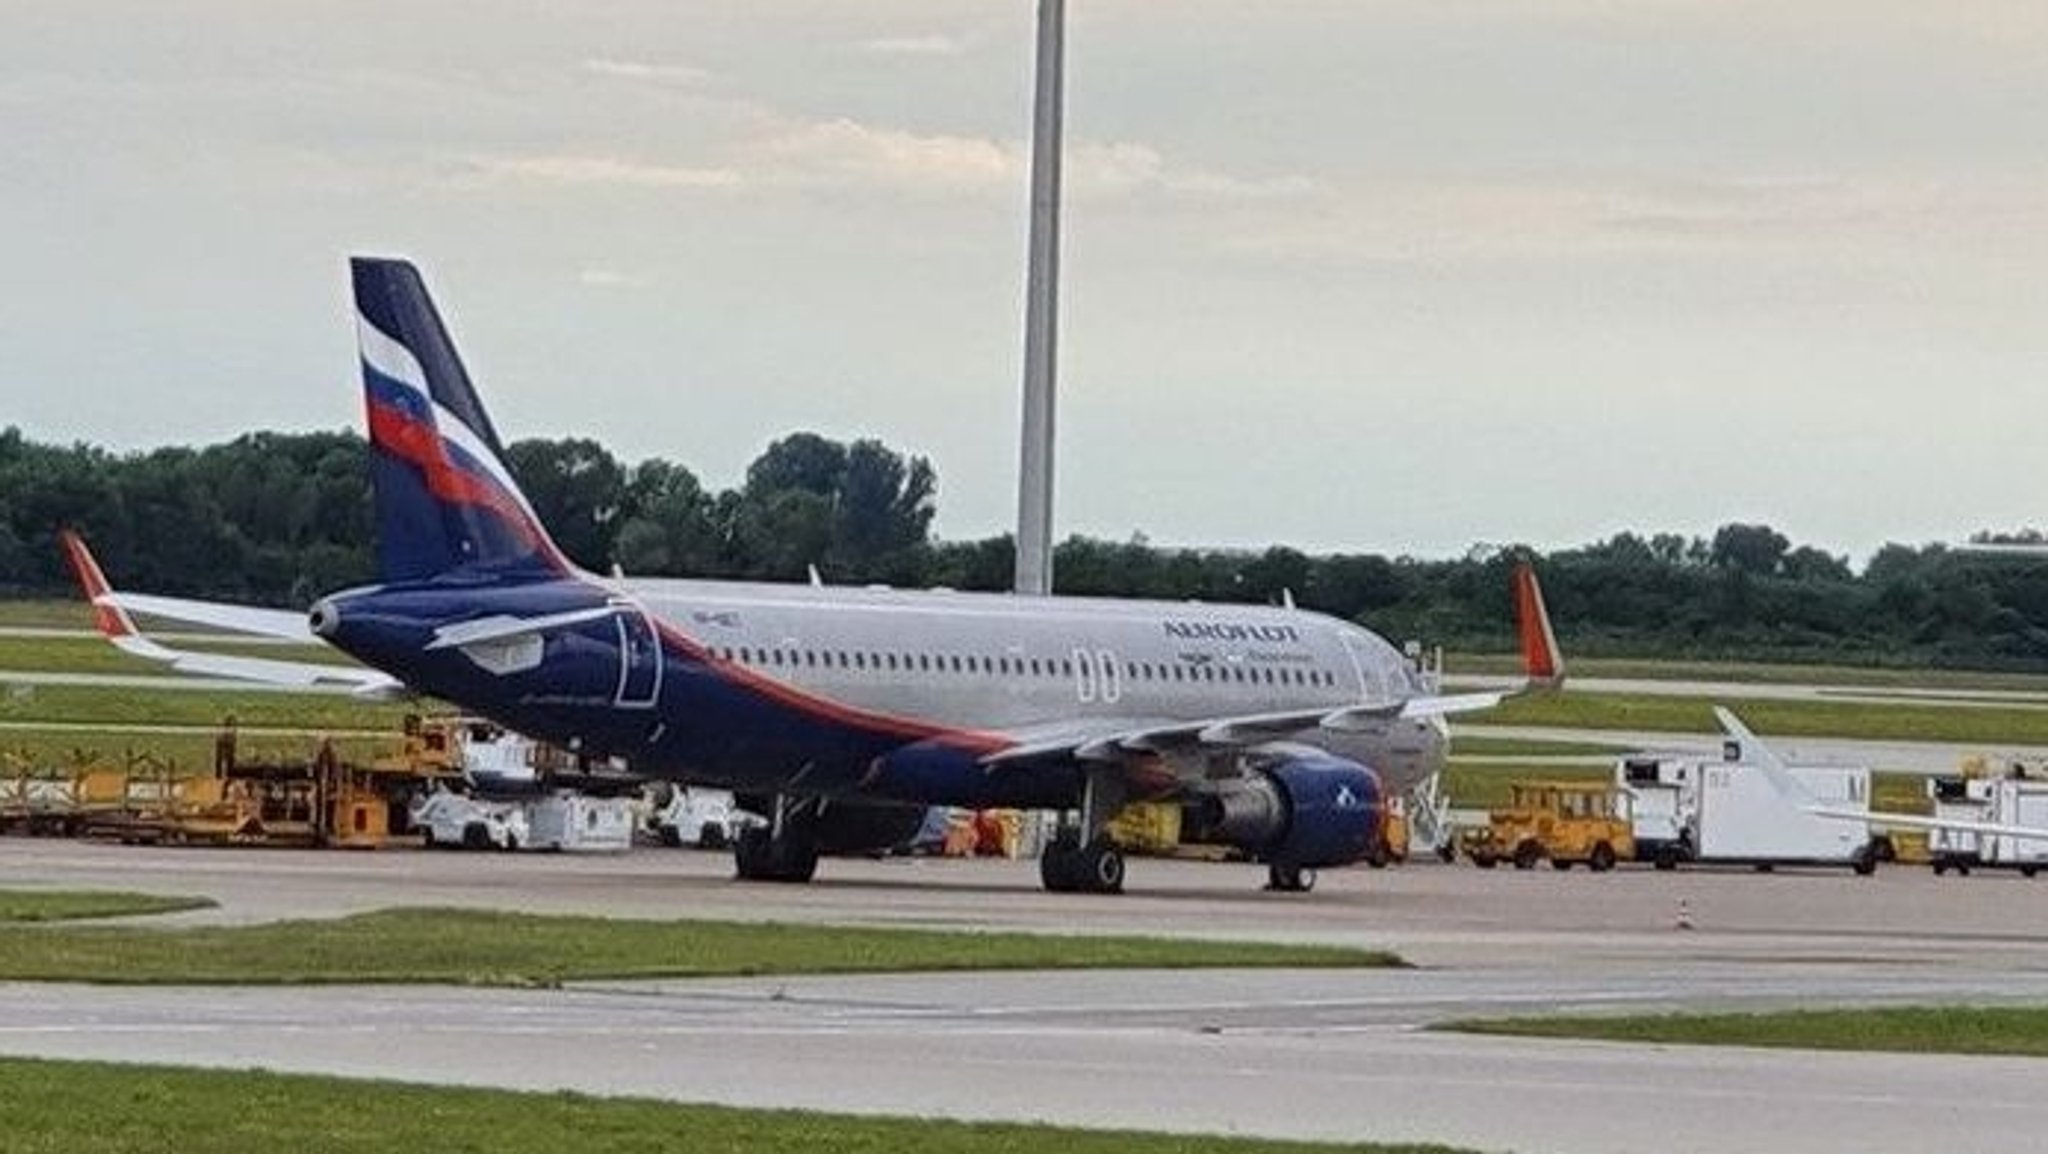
(111, 620)
(1747, 747)
(1541, 660)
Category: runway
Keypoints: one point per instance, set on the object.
(1339, 1055)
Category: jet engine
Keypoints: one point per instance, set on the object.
(1299, 808)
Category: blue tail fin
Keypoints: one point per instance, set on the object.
(445, 500)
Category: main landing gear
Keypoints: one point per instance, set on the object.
(1068, 867)
(785, 850)
(1083, 860)
(1290, 879)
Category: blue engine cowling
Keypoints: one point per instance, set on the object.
(1299, 807)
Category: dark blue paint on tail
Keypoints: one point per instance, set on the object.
(445, 501)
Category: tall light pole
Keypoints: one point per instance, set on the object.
(1041, 308)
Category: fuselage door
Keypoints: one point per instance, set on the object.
(639, 659)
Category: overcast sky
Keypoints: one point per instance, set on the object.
(1386, 275)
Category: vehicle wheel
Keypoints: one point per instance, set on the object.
(1866, 861)
(511, 842)
(1603, 858)
(1379, 859)
(758, 857)
(1666, 860)
(1940, 867)
(1527, 854)
(1448, 853)
(671, 837)
(427, 837)
(476, 836)
(1485, 861)
(1290, 879)
(2027, 871)
(1102, 868)
(712, 836)
(1962, 871)
(1056, 864)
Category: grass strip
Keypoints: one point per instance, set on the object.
(1883, 721)
(2007, 1030)
(478, 947)
(94, 655)
(125, 705)
(57, 751)
(1754, 672)
(1471, 744)
(69, 905)
(99, 1108)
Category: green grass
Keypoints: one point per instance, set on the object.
(474, 947)
(98, 1108)
(70, 905)
(2011, 1030)
(119, 705)
(95, 654)
(45, 614)
(58, 750)
(1894, 721)
(1756, 672)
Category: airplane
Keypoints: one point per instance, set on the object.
(839, 714)
(1789, 788)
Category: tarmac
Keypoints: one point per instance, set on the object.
(1329, 1054)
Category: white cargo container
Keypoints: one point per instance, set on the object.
(578, 823)
(1742, 818)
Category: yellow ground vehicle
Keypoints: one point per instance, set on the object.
(1564, 822)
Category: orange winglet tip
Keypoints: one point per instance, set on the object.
(1541, 660)
(109, 619)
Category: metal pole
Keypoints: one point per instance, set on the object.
(1041, 310)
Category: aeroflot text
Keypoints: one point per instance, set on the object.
(1226, 631)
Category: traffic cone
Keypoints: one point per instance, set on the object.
(1684, 921)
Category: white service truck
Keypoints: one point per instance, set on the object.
(2007, 801)
(1728, 812)
(456, 821)
(694, 816)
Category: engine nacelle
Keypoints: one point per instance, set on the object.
(1299, 807)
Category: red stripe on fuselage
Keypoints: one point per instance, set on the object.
(824, 709)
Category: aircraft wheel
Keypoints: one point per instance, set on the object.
(1290, 879)
(1102, 868)
(756, 856)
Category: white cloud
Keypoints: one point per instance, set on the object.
(928, 44)
(602, 170)
(678, 74)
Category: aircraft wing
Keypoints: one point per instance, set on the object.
(1788, 786)
(111, 615)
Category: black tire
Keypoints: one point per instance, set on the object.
(1056, 870)
(1288, 879)
(1665, 860)
(1104, 868)
(2027, 871)
(758, 857)
(1527, 855)
(1940, 867)
(1602, 859)
(476, 836)
(1447, 853)
(1865, 862)
(1485, 861)
(712, 836)
(671, 837)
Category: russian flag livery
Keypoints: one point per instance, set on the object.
(445, 500)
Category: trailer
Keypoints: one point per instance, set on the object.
(574, 822)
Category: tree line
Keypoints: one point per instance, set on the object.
(278, 518)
